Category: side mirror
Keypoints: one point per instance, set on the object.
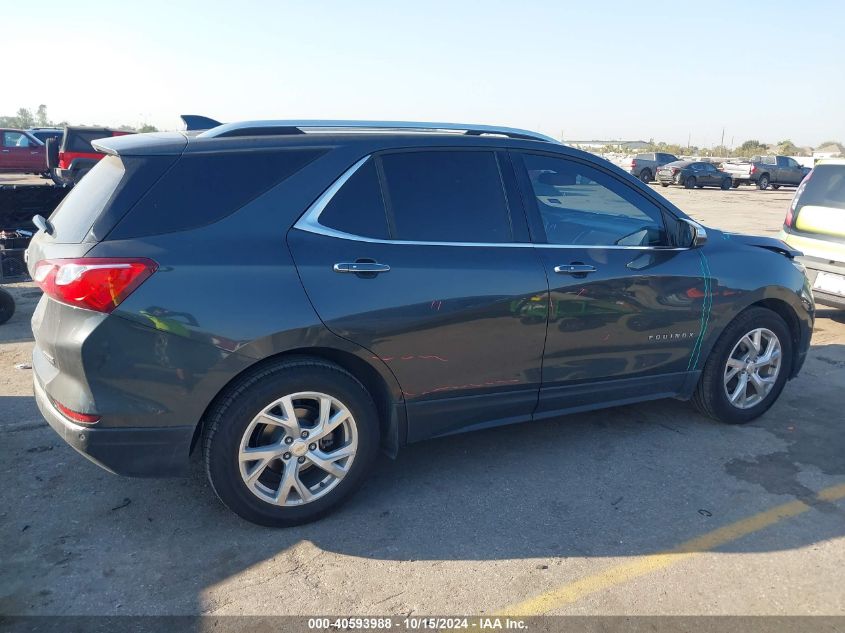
(697, 234)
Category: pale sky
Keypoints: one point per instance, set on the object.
(770, 70)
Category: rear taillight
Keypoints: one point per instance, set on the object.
(62, 163)
(76, 416)
(753, 169)
(633, 163)
(793, 206)
(787, 221)
(93, 283)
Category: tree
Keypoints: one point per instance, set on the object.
(146, 127)
(25, 118)
(787, 147)
(41, 117)
(751, 147)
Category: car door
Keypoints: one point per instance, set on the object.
(713, 178)
(23, 152)
(423, 258)
(794, 174)
(626, 303)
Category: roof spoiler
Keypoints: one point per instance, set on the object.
(197, 122)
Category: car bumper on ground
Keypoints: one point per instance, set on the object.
(134, 452)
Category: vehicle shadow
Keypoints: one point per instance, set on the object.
(620, 482)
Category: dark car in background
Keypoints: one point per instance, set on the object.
(644, 166)
(72, 156)
(692, 174)
(390, 282)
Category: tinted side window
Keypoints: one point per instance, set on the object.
(80, 141)
(446, 196)
(646, 156)
(358, 208)
(581, 205)
(201, 189)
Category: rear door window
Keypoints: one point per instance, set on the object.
(357, 208)
(446, 196)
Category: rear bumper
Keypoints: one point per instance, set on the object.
(814, 266)
(134, 452)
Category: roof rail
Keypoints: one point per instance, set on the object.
(262, 128)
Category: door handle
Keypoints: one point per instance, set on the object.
(575, 269)
(361, 267)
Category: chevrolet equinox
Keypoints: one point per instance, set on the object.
(286, 298)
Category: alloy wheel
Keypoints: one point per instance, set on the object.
(298, 448)
(752, 368)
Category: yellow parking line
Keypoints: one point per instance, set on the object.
(643, 565)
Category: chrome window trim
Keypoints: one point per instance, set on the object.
(344, 125)
(310, 222)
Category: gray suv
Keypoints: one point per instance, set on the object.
(644, 166)
(282, 299)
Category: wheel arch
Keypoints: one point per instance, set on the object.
(383, 390)
(788, 314)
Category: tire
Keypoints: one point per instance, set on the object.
(645, 176)
(763, 182)
(711, 397)
(57, 180)
(775, 187)
(735, 184)
(233, 423)
(664, 184)
(7, 306)
(689, 183)
(726, 184)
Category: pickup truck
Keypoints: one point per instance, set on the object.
(766, 170)
(644, 166)
(21, 152)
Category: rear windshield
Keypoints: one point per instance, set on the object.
(73, 218)
(825, 188)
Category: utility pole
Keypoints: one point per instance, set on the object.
(689, 135)
(722, 144)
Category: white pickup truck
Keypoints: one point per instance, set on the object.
(765, 170)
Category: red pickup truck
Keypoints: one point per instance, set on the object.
(21, 152)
